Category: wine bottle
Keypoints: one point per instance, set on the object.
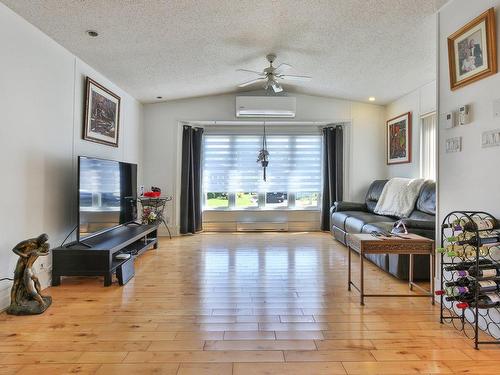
(479, 241)
(461, 298)
(491, 270)
(462, 236)
(472, 226)
(464, 266)
(456, 224)
(480, 224)
(483, 286)
(484, 301)
(463, 281)
(463, 251)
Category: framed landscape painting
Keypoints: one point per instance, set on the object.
(102, 114)
(399, 139)
(472, 51)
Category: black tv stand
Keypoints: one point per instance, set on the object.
(97, 256)
(77, 243)
(133, 223)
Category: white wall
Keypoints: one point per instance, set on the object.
(162, 138)
(41, 102)
(419, 102)
(468, 180)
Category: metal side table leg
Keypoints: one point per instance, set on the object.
(433, 275)
(410, 272)
(165, 223)
(362, 289)
(349, 268)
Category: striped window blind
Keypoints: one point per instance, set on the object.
(229, 163)
(428, 140)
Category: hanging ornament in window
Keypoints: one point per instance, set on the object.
(263, 157)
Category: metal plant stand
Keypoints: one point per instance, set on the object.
(155, 206)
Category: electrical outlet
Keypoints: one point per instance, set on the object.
(454, 144)
(490, 138)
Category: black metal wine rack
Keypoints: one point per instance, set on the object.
(480, 325)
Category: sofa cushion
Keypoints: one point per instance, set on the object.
(426, 201)
(387, 227)
(381, 226)
(339, 235)
(381, 260)
(419, 215)
(373, 194)
(399, 265)
(357, 220)
(338, 219)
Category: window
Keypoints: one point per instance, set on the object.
(232, 179)
(247, 200)
(428, 138)
(217, 200)
(306, 199)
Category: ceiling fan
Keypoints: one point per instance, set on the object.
(271, 76)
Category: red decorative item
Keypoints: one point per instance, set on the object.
(462, 305)
(152, 194)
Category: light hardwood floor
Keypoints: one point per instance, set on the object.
(237, 304)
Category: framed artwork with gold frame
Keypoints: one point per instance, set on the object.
(472, 51)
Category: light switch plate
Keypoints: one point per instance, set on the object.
(448, 120)
(453, 144)
(490, 138)
(496, 108)
(464, 115)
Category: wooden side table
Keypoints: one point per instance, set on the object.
(411, 244)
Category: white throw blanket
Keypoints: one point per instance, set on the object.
(399, 196)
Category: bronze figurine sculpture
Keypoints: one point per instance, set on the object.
(25, 296)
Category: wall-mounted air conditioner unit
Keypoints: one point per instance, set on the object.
(265, 106)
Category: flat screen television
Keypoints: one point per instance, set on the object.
(107, 195)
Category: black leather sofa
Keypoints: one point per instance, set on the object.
(350, 217)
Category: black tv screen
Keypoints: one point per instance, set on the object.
(107, 195)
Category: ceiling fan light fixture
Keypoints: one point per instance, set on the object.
(271, 75)
(276, 87)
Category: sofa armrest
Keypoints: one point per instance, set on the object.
(418, 224)
(348, 206)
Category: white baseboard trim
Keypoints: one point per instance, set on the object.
(5, 294)
(162, 231)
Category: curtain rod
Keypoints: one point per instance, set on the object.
(266, 122)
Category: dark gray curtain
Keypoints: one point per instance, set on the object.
(333, 169)
(191, 180)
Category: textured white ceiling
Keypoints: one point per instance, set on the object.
(185, 48)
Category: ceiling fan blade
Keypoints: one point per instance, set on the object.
(250, 71)
(248, 83)
(283, 66)
(294, 78)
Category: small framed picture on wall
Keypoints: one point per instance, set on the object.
(102, 114)
(399, 139)
(472, 51)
